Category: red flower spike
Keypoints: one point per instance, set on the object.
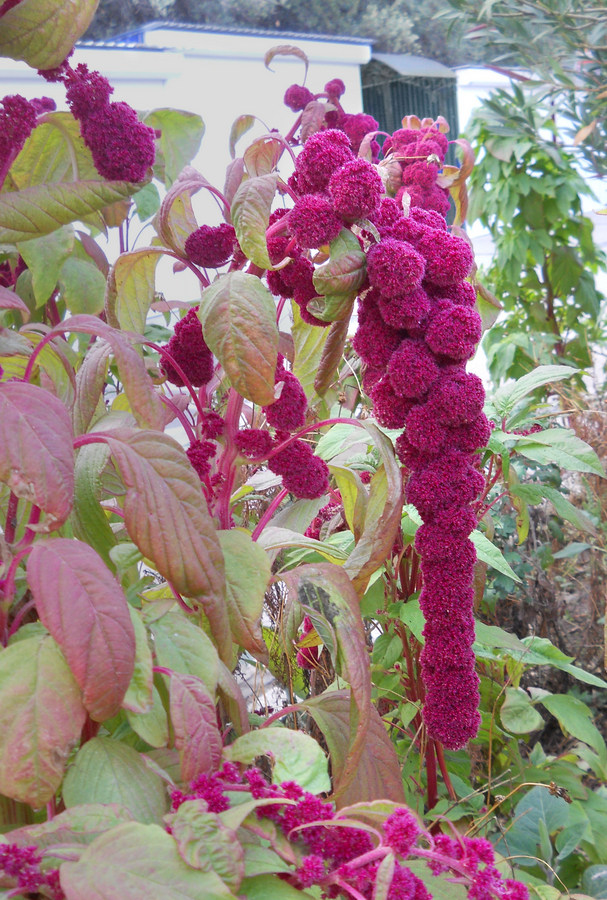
(297, 97)
(355, 190)
(211, 246)
(313, 221)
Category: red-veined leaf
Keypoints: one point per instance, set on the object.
(239, 127)
(36, 452)
(238, 319)
(376, 774)
(85, 609)
(10, 300)
(194, 720)
(43, 32)
(286, 50)
(144, 862)
(383, 515)
(41, 717)
(138, 387)
(166, 516)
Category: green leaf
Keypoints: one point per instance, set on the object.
(204, 842)
(275, 538)
(517, 713)
(82, 286)
(41, 717)
(309, 343)
(131, 288)
(152, 726)
(44, 257)
(382, 517)
(238, 319)
(270, 887)
(54, 152)
(106, 771)
(376, 772)
(138, 697)
(295, 756)
(80, 825)
(563, 447)
(36, 450)
(594, 882)
(84, 608)
(488, 553)
(327, 595)
(505, 398)
(522, 838)
(251, 208)
(143, 862)
(248, 574)
(536, 493)
(541, 652)
(26, 33)
(180, 136)
(88, 519)
(41, 209)
(344, 272)
(183, 647)
(574, 717)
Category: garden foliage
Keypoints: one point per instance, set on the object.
(323, 519)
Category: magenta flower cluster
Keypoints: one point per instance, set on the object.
(417, 329)
(21, 869)
(122, 147)
(303, 473)
(344, 860)
(188, 353)
(17, 121)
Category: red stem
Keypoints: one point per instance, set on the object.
(440, 755)
(432, 783)
(285, 711)
(11, 518)
(280, 496)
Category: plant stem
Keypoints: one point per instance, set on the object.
(285, 711)
(432, 784)
(440, 755)
(11, 518)
(280, 496)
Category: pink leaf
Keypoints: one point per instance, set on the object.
(377, 772)
(85, 610)
(194, 721)
(36, 452)
(138, 387)
(9, 300)
(167, 517)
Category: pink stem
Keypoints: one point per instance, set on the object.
(285, 711)
(15, 624)
(179, 415)
(280, 496)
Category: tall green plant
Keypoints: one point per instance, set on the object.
(527, 190)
